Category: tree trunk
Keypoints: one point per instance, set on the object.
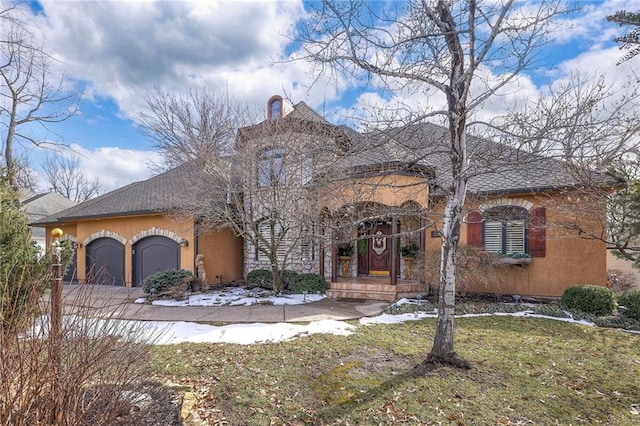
(12, 174)
(276, 276)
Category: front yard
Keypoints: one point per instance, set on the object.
(526, 371)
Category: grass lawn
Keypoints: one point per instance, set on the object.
(525, 371)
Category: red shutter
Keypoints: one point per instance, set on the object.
(537, 232)
(474, 229)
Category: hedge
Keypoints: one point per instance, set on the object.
(311, 283)
(589, 299)
(631, 301)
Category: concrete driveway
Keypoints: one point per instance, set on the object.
(118, 302)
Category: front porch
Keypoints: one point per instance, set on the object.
(375, 288)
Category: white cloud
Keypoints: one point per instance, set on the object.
(122, 48)
(113, 166)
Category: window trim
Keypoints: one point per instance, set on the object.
(270, 160)
(511, 217)
(273, 101)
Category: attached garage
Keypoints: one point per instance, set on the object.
(71, 274)
(153, 254)
(105, 262)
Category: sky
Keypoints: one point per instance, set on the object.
(115, 51)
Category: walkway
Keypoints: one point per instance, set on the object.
(117, 302)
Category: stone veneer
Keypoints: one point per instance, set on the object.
(156, 231)
(105, 234)
(517, 202)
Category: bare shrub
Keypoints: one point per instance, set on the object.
(475, 269)
(95, 372)
(621, 281)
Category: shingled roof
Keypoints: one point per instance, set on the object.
(157, 194)
(494, 167)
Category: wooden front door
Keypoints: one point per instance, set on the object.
(380, 250)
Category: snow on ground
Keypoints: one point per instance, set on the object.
(238, 296)
(169, 333)
(164, 333)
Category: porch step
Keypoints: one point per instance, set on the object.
(371, 291)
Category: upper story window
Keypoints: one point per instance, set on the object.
(274, 108)
(271, 168)
(307, 170)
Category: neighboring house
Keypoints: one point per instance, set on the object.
(623, 269)
(39, 206)
(313, 187)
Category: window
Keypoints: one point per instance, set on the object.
(307, 241)
(509, 229)
(274, 108)
(307, 170)
(271, 170)
(268, 240)
(505, 230)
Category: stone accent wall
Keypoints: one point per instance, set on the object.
(517, 202)
(104, 233)
(66, 237)
(156, 231)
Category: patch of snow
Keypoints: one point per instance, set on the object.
(237, 296)
(244, 334)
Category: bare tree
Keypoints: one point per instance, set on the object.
(63, 175)
(32, 97)
(266, 192)
(594, 128)
(191, 125)
(421, 46)
(25, 175)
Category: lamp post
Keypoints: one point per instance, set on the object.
(56, 323)
(56, 285)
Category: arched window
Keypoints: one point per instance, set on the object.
(271, 168)
(274, 108)
(505, 229)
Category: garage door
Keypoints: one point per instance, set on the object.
(70, 276)
(154, 254)
(105, 262)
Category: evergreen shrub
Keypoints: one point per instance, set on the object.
(260, 278)
(590, 299)
(631, 301)
(288, 277)
(165, 281)
(311, 283)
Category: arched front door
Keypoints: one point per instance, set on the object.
(105, 262)
(154, 254)
(374, 251)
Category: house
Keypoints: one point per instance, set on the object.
(309, 189)
(39, 206)
(127, 234)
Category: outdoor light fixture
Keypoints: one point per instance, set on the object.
(184, 243)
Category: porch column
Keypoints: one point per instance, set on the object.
(321, 247)
(334, 259)
(394, 250)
